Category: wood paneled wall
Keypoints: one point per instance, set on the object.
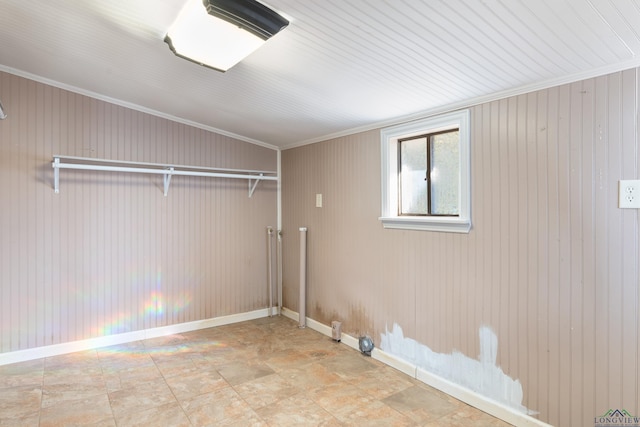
(110, 253)
(551, 264)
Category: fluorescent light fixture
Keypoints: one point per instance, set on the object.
(220, 33)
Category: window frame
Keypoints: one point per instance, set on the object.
(390, 137)
(428, 137)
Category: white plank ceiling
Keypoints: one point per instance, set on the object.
(341, 65)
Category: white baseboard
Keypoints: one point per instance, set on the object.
(463, 394)
(476, 400)
(290, 314)
(93, 343)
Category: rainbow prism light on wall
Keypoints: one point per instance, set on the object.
(220, 33)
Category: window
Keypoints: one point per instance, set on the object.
(425, 174)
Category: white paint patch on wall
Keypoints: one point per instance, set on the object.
(481, 376)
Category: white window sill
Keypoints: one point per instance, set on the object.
(451, 225)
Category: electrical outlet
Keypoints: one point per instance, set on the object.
(629, 194)
(318, 200)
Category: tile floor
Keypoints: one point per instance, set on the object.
(265, 372)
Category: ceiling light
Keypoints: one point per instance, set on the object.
(220, 33)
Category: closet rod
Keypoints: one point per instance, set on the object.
(167, 170)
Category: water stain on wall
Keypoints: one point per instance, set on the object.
(356, 323)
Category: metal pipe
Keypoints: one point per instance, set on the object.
(279, 271)
(302, 316)
(269, 268)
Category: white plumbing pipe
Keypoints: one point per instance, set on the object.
(302, 318)
(279, 271)
(269, 272)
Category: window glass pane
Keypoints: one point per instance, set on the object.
(413, 170)
(445, 173)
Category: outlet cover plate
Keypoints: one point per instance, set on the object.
(629, 194)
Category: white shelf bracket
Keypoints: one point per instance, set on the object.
(255, 184)
(167, 181)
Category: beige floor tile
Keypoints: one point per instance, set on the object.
(94, 410)
(238, 373)
(247, 419)
(194, 384)
(167, 415)
(468, 416)
(80, 359)
(266, 390)
(287, 359)
(212, 408)
(32, 420)
(420, 404)
(217, 356)
(20, 402)
(340, 398)
(22, 374)
(131, 377)
(382, 382)
(170, 341)
(375, 413)
(269, 347)
(53, 394)
(144, 396)
(119, 361)
(317, 354)
(349, 365)
(170, 366)
(257, 373)
(71, 374)
(310, 377)
(297, 410)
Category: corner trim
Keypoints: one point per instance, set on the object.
(132, 106)
(472, 102)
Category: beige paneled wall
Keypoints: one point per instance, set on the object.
(110, 253)
(550, 265)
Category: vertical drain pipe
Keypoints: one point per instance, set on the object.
(269, 272)
(302, 317)
(279, 271)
